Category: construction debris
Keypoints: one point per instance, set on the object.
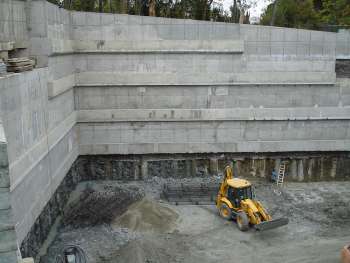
(20, 64)
(202, 194)
(5, 47)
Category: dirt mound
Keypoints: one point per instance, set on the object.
(147, 216)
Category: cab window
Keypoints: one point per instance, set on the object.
(244, 193)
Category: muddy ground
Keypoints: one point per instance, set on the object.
(127, 222)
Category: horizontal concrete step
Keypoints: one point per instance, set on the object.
(148, 46)
(283, 114)
(4, 199)
(330, 84)
(6, 227)
(170, 78)
(6, 219)
(59, 86)
(8, 241)
(236, 114)
(238, 147)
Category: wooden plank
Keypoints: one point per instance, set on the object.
(22, 64)
(19, 69)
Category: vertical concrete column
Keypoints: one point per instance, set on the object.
(40, 46)
(321, 168)
(253, 167)
(300, 170)
(236, 167)
(144, 169)
(213, 166)
(188, 168)
(277, 165)
(8, 239)
(175, 168)
(109, 168)
(194, 167)
(333, 172)
(262, 166)
(311, 163)
(137, 171)
(293, 169)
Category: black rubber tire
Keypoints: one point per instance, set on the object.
(225, 212)
(242, 221)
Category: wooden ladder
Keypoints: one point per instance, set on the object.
(281, 173)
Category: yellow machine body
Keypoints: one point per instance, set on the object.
(235, 200)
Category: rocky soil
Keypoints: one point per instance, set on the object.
(127, 222)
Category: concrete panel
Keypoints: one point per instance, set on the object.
(277, 34)
(59, 86)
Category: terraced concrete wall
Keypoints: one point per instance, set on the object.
(13, 22)
(343, 44)
(42, 143)
(155, 85)
(8, 244)
(118, 84)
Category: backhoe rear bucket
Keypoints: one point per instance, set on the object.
(271, 224)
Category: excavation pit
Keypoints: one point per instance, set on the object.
(145, 228)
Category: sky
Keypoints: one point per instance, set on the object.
(254, 12)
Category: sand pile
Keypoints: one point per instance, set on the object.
(147, 216)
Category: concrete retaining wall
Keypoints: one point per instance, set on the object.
(8, 244)
(43, 142)
(13, 22)
(119, 84)
(343, 44)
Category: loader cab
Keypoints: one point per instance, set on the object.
(238, 190)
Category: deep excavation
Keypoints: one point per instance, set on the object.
(177, 220)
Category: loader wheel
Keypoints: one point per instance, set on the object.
(225, 212)
(242, 221)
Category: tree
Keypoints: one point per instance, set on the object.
(234, 12)
(243, 6)
(194, 9)
(309, 14)
(274, 10)
(335, 12)
(291, 13)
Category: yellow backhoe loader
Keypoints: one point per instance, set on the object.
(235, 200)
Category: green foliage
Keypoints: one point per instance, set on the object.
(309, 14)
(335, 12)
(194, 9)
(292, 13)
(235, 12)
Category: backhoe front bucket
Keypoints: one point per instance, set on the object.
(271, 224)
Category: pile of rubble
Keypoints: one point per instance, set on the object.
(19, 64)
(12, 59)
